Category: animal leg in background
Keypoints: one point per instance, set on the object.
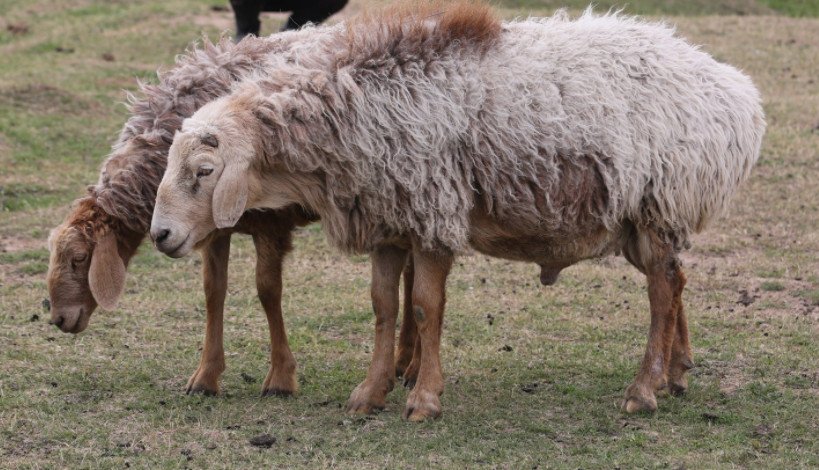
(661, 266)
(428, 300)
(409, 332)
(215, 255)
(270, 250)
(371, 394)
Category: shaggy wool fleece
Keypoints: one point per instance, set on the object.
(415, 119)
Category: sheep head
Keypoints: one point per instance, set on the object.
(206, 183)
(85, 270)
(218, 167)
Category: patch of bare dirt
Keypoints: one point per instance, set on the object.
(13, 244)
(42, 98)
(730, 374)
(17, 29)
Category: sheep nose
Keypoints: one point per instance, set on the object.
(58, 322)
(160, 235)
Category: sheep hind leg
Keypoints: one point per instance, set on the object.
(681, 357)
(371, 394)
(409, 331)
(428, 300)
(271, 247)
(662, 268)
(215, 256)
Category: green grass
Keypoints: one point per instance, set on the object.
(112, 396)
(772, 286)
(797, 8)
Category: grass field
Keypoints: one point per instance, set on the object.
(534, 374)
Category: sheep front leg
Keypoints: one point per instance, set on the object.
(664, 283)
(409, 333)
(371, 394)
(215, 256)
(270, 250)
(428, 300)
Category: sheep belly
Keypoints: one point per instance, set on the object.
(552, 250)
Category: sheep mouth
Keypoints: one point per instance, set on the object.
(74, 327)
(180, 250)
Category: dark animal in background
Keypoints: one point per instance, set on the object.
(304, 11)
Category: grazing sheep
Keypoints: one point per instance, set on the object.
(91, 249)
(549, 141)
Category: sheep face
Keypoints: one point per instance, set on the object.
(205, 186)
(82, 273)
(182, 214)
(72, 302)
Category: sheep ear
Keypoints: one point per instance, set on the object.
(230, 195)
(106, 276)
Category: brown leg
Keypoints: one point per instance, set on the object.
(428, 299)
(270, 251)
(662, 269)
(371, 394)
(409, 332)
(214, 272)
(411, 373)
(681, 357)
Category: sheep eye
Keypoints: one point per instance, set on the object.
(77, 260)
(203, 171)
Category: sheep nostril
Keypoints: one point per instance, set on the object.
(160, 236)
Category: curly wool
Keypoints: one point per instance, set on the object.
(413, 123)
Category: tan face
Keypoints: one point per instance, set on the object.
(82, 273)
(72, 302)
(200, 192)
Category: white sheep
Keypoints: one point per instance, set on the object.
(545, 140)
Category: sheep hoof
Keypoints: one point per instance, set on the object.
(363, 408)
(276, 392)
(367, 399)
(678, 386)
(421, 406)
(202, 382)
(279, 383)
(638, 400)
(678, 380)
(356, 406)
(200, 389)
